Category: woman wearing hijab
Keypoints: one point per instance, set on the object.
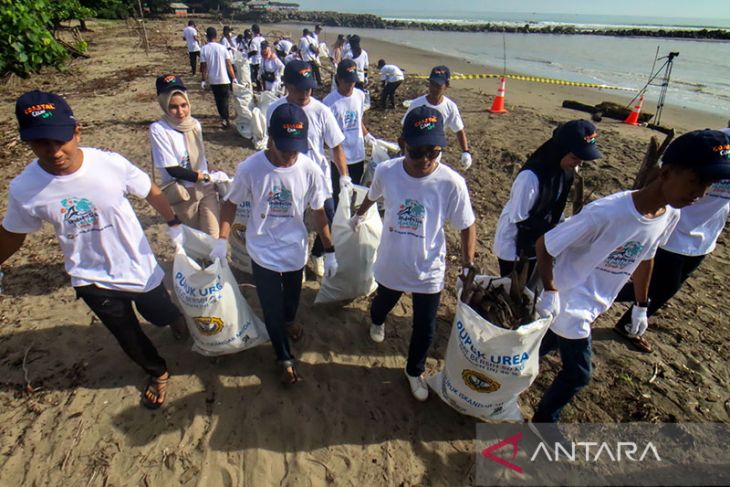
(271, 68)
(540, 192)
(178, 154)
(360, 56)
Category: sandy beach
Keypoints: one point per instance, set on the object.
(69, 401)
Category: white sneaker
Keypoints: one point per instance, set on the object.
(419, 389)
(377, 332)
(318, 266)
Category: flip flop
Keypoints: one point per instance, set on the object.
(295, 332)
(156, 387)
(640, 343)
(289, 377)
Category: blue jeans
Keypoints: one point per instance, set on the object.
(425, 307)
(329, 209)
(573, 376)
(279, 296)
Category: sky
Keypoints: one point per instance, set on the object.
(644, 8)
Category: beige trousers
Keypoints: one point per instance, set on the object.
(202, 210)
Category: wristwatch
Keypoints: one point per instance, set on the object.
(206, 177)
(174, 221)
(643, 304)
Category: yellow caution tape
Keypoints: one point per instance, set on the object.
(535, 79)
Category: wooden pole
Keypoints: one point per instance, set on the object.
(144, 29)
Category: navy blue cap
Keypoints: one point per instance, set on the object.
(424, 126)
(167, 82)
(43, 115)
(299, 73)
(706, 152)
(288, 128)
(347, 71)
(579, 137)
(440, 75)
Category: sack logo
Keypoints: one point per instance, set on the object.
(208, 325)
(479, 382)
(79, 212)
(624, 256)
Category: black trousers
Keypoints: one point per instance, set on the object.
(425, 307)
(317, 74)
(279, 297)
(506, 267)
(255, 76)
(355, 171)
(114, 309)
(194, 60)
(388, 93)
(221, 93)
(670, 272)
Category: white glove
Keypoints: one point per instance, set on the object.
(203, 85)
(639, 321)
(465, 160)
(219, 250)
(356, 221)
(235, 81)
(369, 138)
(220, 177)
(176, 235)
(548, 304)
(330, 264)
(346, 183)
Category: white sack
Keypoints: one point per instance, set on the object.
(237, 239)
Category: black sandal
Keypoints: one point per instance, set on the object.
(156, 388)
(289, 375)
(640, 343)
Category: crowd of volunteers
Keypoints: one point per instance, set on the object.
(638, 246)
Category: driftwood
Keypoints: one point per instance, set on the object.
(576, 105)
(508, 310)
(649, 167)
(620, 112)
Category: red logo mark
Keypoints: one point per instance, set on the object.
(512, 440)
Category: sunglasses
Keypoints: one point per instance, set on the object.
(428, 152)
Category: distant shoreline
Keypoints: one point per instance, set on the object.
(336, 19)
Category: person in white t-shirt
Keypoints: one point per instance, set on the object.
(271, 69)
(178, 153)
(391, 77)
(540, 192)
(309, 52)
(281, 183)
(228, 40)
(360, 56)
(348, 107)
(586, 260)
(292, 56)
(283, 47)
(438, 83)
(191, 38)
(323, 130)
(254, 56)
(420, 196)
(82, 193)
(217, 72)
(695, 237)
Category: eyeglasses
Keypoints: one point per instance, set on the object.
(429, 152)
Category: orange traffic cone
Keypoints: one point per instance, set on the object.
(498, 103)
(633, 118)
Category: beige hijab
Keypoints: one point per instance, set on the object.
(189, 127)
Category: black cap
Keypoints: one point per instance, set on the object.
(579, 137)
(210, 32)
(168, 82)
(440, 75)
(424, 126)
(299, 73)
(288, 128)
(706, 152)
(43, 115)
(317, 27)
(347, 71)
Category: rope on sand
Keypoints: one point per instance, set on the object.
(535, 79)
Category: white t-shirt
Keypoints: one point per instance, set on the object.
(256, 46)
(284, 45)
(291, 57)
(391, 73)
(448, 109)
(99, 233)
(596, 251)
(522, 198)
(701, 224)
(323, 129)
(191, 38)
(412, 251)
(348, 111)
(231, 45)
(304, 51)
(276, 237)
(169, 150)
(214, 55)
(273, 65)
(361, 62)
